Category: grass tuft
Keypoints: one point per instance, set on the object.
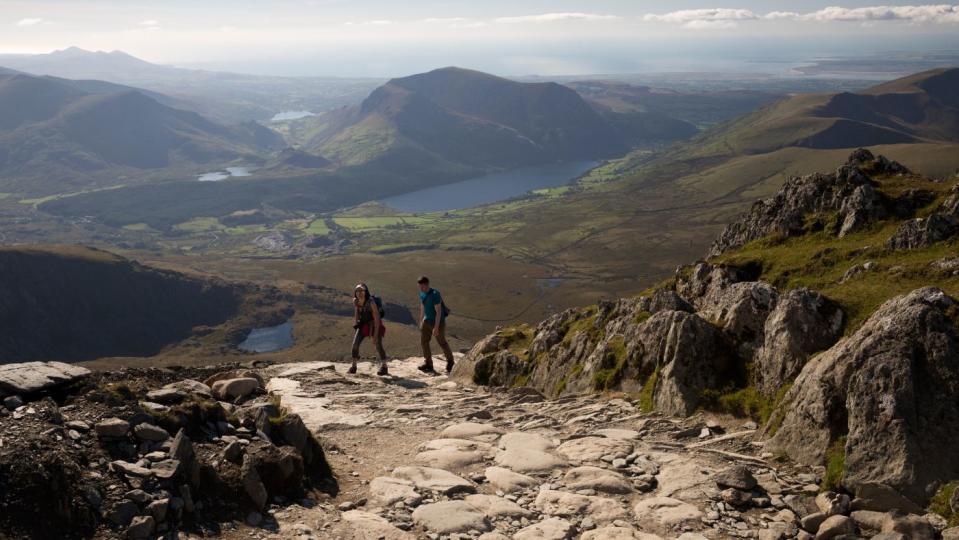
(835, 465)
(941, 503)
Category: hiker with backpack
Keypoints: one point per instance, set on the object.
(433, 315)
(368, 317)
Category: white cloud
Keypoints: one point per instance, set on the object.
(728, 17)
(704, 19)
(149, 22)
(694, 15)
(30, 21)
(557, 17)
(941, 13)
(776, 15)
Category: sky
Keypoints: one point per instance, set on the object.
(517, 37)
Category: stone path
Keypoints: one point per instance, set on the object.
(423, 457)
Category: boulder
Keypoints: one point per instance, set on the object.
(471, 430)
(141, 528)
(167, 396)
(385, 492)
(447, 517)
(883, 387)
(831, 503)
(597, 479)
(618, 533)
(190, 386)
(112, 428)
(230, 389)
(515, 440)
(690, 355)
(802, 323)
(737, 476)
(881, 498)
(528, 461)
(923, 232)
(835, 526)
(560, 503)
(149, 432)
(508, 481)
(12, 402)
(741, 310)
(664, 513)
(232, 374)
(437, 480)
(586, 449)
(495, 507)
(548, 529)
(30, 377)
(911, 526)
(368, 526)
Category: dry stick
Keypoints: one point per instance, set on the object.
(720, 439)
(733, 455)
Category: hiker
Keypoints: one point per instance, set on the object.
(368, 317)
(433, 314)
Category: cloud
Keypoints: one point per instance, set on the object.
(149, 22)
(557, 17)
(30, 21)
(941, 13)
(711, 14)
(704, 19)
(728, 17)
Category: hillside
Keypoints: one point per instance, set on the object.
(918, 108)
(71, 303)
(827, 314)
(465, 119)
(58, 135)
(225, 97)
(641, 215)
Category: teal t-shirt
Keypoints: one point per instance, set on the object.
(430, 299)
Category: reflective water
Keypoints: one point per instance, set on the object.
(488, 189)
(273, 338)
(290, 115)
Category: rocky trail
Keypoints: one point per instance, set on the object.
(425, 457)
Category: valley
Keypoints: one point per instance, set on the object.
(681, 305)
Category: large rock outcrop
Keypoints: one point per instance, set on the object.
(849, 193)
(941, 225)
(802, 323)
(891, 389)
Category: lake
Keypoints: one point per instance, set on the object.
(488, 189)
(216, 176)
(271, 339)
(290, 115)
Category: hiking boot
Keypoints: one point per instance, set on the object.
(427, 368)
(449, 367)
(352, 369)
(383, 371)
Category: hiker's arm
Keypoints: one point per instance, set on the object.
(375, 332)
(439, 314)
(356, 312)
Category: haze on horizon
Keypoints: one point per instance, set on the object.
(561, 37)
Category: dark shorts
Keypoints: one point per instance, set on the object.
(367, 330)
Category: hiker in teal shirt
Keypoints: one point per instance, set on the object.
(433, 314)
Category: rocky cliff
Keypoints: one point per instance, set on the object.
(825, 313)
